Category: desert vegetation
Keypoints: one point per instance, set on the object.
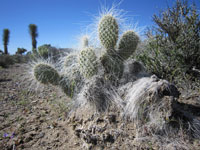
(116, 91)
(172, 46)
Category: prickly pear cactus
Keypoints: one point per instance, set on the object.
(108, 31)
(88, 62)
(46, 74)
(112, 60)
(128, 44)
(85, 65)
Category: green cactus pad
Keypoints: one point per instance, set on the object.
(46, 74)
(108, 31)
(88, 62)
(128, 44)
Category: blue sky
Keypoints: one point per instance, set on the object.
(60, 22)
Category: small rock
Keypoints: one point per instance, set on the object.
(99, 120)
(58, 134)
(111, 118)
(107, 137)
(27, 139)
(41, 135)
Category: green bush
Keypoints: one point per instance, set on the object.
(21, 51)
(6, 60)
(44, 50)
(172, 48)
(47, 51)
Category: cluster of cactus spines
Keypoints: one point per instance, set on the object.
(108, 31)
(88, 62)
(128, 44)
(46, 74)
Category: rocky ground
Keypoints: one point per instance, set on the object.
(41, 120)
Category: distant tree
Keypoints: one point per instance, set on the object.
(34, 34)
(6, 33)
(21, 51)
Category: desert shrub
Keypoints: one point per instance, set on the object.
(44, 50)
(20, 58)
(172, 47)
(6, 60)
(21, 51)
(47, 51)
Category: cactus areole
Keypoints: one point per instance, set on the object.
(108, 31)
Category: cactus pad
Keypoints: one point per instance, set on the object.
(108, 31)
(46, 74)
(88, 62)
(128, 44)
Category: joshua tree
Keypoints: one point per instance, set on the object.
(34, 34)
(6, 33)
